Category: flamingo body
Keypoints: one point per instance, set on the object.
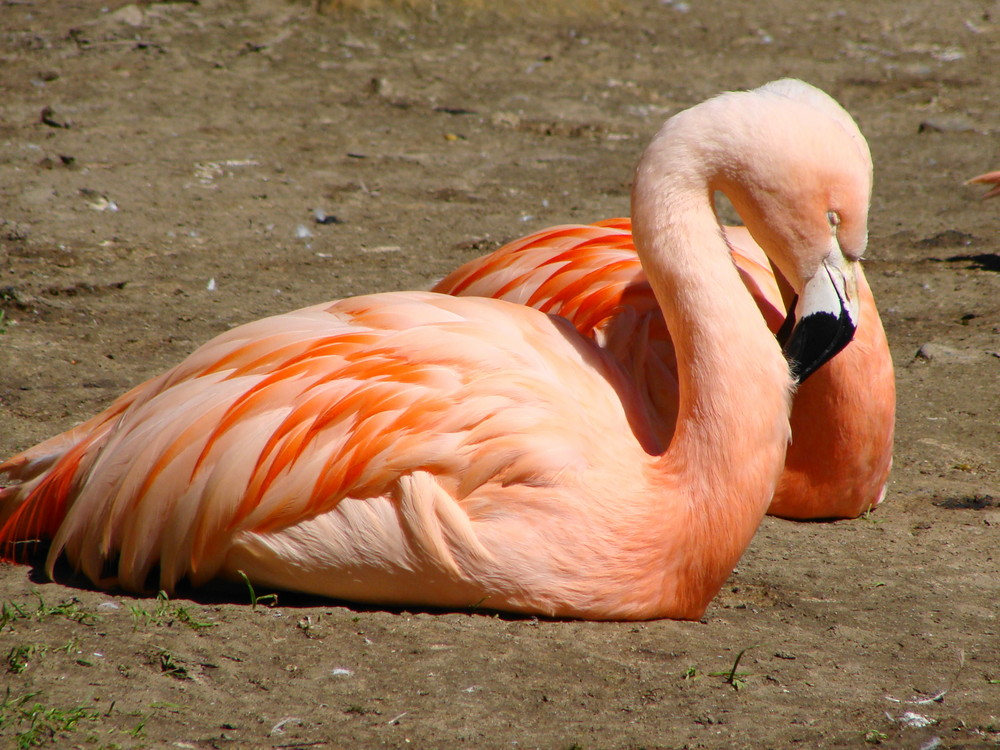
(417, 448)
(382, 449)
(370, 438)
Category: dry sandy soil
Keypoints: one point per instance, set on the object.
(161, 166)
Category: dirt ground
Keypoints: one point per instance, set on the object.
(163, 170)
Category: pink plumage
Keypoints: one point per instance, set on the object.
(842, 419)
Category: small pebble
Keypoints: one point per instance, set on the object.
(51, 118)
(940, 353)
(322, 217)
(944, 124)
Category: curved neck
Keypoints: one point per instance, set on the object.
(727, 453)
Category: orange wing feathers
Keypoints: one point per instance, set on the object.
(347, 401)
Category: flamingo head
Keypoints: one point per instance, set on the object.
(798, 171)
(804, 199)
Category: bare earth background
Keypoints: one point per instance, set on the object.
(161, 169)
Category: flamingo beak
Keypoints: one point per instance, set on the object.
(823, 319)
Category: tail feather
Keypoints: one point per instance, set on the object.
(36, 504)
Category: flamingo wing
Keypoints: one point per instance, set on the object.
(278, 421)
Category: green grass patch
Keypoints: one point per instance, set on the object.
(874, 737)
(734, 678)
(165, 612)
(11, 612)
(270, 599)
(36, 725)
(171, 665)
(19, 657)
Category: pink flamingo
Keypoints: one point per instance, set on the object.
(842, 419)
(422, 449)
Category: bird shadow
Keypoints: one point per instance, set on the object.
(980, 261)
(968, 502)
(220, 591)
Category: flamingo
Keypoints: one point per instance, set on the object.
(838, 463)
(413, 448)
(990, 178)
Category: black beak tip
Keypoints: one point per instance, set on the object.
(815, 340)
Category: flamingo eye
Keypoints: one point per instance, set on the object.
(834, 218)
